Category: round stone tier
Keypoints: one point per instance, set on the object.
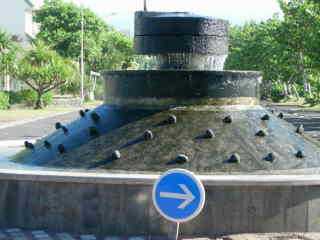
(169, 88)
(179, 32)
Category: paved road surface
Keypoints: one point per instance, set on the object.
(295, 115)
(35, 129)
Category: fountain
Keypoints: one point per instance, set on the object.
(260, 173)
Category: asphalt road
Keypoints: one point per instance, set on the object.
(36, 129)
(297, 116)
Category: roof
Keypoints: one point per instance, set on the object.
(29, 2)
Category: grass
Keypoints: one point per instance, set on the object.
(24, 113)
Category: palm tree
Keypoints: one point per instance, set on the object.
(8, 55)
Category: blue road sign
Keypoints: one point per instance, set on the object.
(178, 195)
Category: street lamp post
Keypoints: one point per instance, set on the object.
(145, 5)
(82, 56)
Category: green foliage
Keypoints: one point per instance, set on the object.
(8, 54)
(15, 97)
(29, 97)
(43, 70)
(277, 92)
(105, 48)
(4, 100)
(285, 49)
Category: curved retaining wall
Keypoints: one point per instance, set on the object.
(121, 204)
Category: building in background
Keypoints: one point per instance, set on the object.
(16, 19)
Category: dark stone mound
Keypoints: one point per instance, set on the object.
(186, 138)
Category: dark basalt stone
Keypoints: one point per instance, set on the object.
(227, 119)
(234, 158)
(61, 149)
(300, 154)
(95, 117)
(265, 117)
(47, 144)
(161, 33)
(28, 145)
(280, 115)
(270, 157)
(172, 119)
(147, 135)
(82, 113)
(154, 156)
(180, 159)
(65, 130)
(58, 125)
(209, 133)
(116, 155)
(300, 129)
(261, 133)
(183, 87)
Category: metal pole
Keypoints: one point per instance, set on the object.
(145, 5)
(177, 232)
(82, 56)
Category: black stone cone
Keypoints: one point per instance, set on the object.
(187, 137)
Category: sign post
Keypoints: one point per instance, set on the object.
(178, 196)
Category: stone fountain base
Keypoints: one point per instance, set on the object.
(121, 204)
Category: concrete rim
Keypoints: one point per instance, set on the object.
(149, 179)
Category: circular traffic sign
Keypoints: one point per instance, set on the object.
(178, 195)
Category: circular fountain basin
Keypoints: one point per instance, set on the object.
(81, 192)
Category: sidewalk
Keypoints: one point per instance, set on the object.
(19, 234)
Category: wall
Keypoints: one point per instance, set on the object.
(100, 204)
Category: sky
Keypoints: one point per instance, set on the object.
(119, 13)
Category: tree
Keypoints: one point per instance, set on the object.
(43, 70)
(8, 55)
(60, 27)
(300, 33)
(285, 49)
(254, 46)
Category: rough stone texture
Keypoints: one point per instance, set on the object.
(187, 137)
(183, 86)
(159, 33)
(79, 132)
(118, 210)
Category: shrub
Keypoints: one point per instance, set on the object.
(14, 97)
(277, 92)
(311, 100)
(4, 100)
(29, 97)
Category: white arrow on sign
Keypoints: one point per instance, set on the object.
(187, 196)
